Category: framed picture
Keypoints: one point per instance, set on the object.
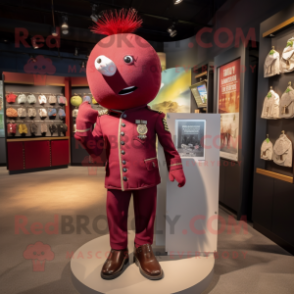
(228, 107)
(229, 136)
(174, 94)
(190, 138)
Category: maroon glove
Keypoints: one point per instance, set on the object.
(86, 118)
(179, 175)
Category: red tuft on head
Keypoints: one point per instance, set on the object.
(119, 22)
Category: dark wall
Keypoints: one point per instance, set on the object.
(244, 14)
(273, 199)
(2, 140)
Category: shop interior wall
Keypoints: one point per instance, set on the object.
(244, 14)
(2, 152)
(273, 199)
(2, 144)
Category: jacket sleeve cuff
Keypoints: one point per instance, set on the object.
(175, 166)
(82, 133)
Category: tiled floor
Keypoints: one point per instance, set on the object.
(246, 263)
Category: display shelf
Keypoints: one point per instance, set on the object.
(273, 184)
(201, 75)
(30, 79)
(274, 175)
(37, 139)
(20, 83)
(79, 155)
(278, 28)
(203, 71)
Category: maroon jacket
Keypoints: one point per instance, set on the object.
(131, 161)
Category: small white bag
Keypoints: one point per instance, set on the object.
(283, 151)
(287, 58)
(287, 103)
(272, 64)
(271, 106)
(266, 150)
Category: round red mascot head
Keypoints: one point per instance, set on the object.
(123, 69)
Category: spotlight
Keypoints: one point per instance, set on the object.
(34, 43)
(76, 51)
(54, 32)
(33, 58)
(5, 41)
(94, 16)
(64, 26)
(172, 30)
(178, 1)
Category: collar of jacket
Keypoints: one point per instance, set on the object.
(128, 110)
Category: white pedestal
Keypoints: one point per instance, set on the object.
(181, 275)
(191, 211)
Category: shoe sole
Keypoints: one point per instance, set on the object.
(118, 273)
(143, 273)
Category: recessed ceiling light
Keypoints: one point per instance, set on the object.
(94, 16)
(172, 30)
(178, 1)
(54, 32)
(64, 26)
(34, 43)
(33, 58)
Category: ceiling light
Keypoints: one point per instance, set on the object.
(172, 30)
(94, 16)
(178, 1)
(54, 32)
(34, 43)
(76, 51)
(33, 58)
(64, 26)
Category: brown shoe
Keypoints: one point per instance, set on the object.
(147, 262)
(115, 264)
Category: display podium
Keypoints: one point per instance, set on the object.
(186, 220)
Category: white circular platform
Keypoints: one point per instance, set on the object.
(181, 275)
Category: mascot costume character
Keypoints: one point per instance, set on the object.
(124, 75)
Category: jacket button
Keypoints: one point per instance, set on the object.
(123, 152)
(122, 143)
(123, 125)
(124, 162)
(124, 115)
(122, 133)
(125, 178)
(124, 169)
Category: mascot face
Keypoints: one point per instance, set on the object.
(123, 69)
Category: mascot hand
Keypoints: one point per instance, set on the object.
(177, 174)
(86, 116)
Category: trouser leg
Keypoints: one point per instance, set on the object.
(117, 214)
(145, 210)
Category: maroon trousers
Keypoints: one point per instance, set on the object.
(117, 214)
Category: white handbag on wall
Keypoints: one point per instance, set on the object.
(271, 106)
(283, 151)
(272, 64)
(287, 58)
(266, 150)
(287, 103)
